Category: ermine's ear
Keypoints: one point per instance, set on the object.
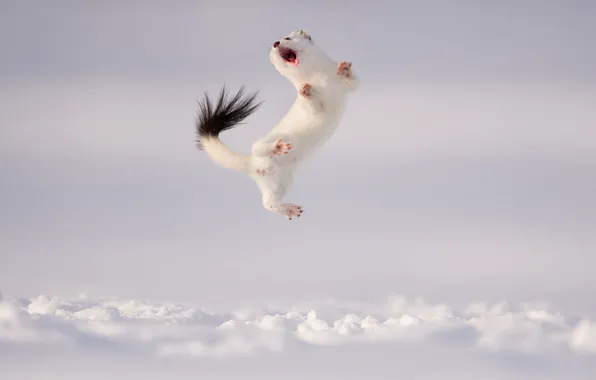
(304, 34)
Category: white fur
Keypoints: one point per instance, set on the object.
(306, 126)
(224, 156)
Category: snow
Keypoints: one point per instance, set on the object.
(150, 336)
(583, 338)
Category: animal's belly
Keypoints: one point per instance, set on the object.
(307, 143)
(307, 130)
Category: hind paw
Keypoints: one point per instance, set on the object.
(282, 148)
(292, 210)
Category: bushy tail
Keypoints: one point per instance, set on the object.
(226, 114)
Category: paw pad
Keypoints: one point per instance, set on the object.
(306, 90)
(282, 147)
(344, 69)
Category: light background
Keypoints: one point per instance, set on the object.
(465, 167)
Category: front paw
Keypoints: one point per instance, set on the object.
(344, 69)
(306, 90)
(282, 148)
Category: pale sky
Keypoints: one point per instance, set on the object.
(465, 167)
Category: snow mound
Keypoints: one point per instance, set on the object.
(174, 330)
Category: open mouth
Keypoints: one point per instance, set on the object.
(288, 55)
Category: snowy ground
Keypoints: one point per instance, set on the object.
(50, 337)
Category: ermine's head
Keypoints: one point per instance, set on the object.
(296, 56)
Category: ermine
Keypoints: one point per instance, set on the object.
(322, 85)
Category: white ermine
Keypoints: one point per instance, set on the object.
(322, 85)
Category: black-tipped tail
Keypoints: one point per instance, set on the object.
(225, 114)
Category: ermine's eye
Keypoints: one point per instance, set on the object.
(287, 38)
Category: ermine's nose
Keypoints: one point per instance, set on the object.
(276, 44)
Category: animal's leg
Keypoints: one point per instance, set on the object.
(288, 210)
(266, 153)
(269, 149)
(344, 69)
(309, 94)
(273, 190)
